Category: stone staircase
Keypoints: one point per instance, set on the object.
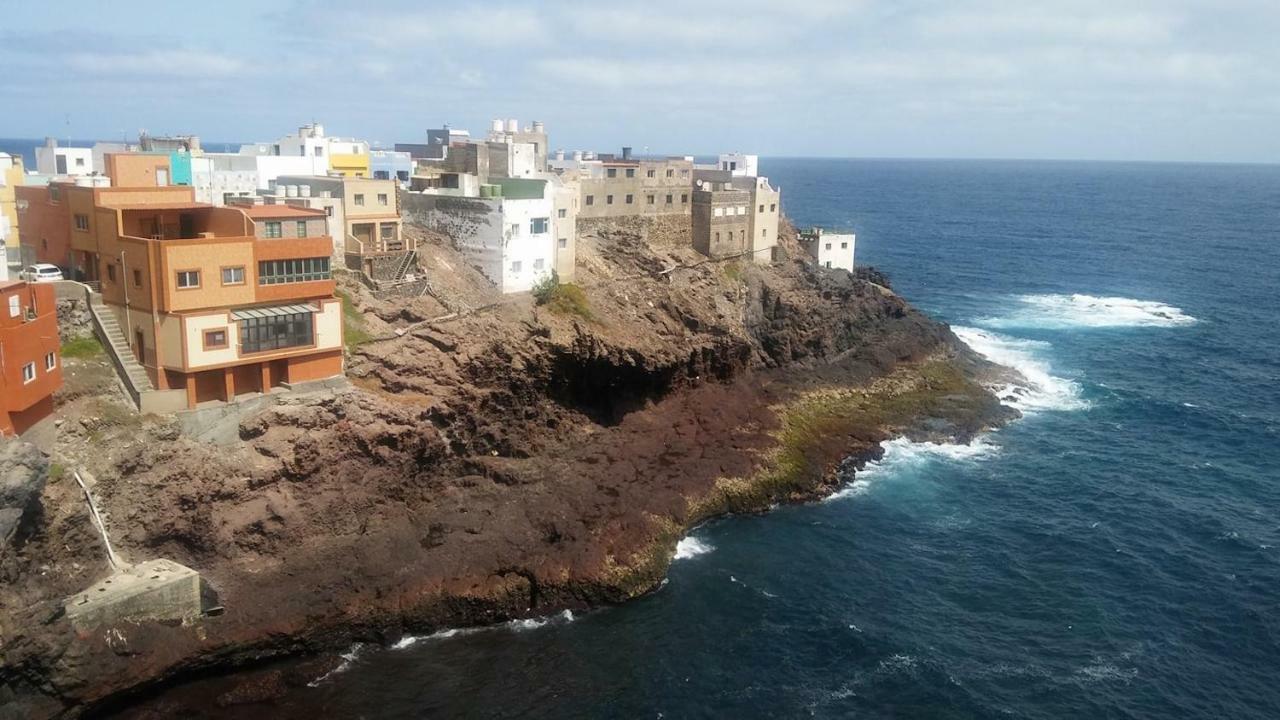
(403, 268)
(134, 375)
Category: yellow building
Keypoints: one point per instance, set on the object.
(353, 165)
(11, 172)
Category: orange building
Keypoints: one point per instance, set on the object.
(216, 301)
(131, 170)
(44, 223)
(30, 366)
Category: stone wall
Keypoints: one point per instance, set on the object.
(656, 230)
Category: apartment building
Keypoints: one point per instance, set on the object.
(347, 157)
(11, 174)
(364, 213)
(54, 160)
(721, 219)
(139, 169)
(30, 366)
(625, 186)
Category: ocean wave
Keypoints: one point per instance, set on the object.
(1038, 389)
(691, 547)
(562, 617)
(902, 454)
(348, 659)
(1088, 311)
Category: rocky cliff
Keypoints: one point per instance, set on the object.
(496, 459)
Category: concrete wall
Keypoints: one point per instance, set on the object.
(75, 161)
(721, 221)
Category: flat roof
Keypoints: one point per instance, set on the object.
(260, 212)
(144, 207)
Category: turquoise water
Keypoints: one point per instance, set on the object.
(1114, 554)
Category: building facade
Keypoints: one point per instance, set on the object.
(364, 213)
(11, 174)
(614, 187)
(721, 219)
(54, 160)
(829, 250)
(30, 365)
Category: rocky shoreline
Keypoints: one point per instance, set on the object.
(509, 464)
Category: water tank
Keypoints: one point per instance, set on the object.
(496, 126)
(304, 191)
(291, 191)
(486, 191)
(538, 126)
(512, 125)
(560, 155)
(626, 153)
(279, 190)
(497, 191)
(577, 155)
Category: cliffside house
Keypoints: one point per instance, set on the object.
(30, 366)
(829, 250)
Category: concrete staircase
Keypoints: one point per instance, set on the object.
(403, 268)
(133, 373)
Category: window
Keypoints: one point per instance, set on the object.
(79, 162)
(761, 208)
(44, 244)
(382, 198)
(650, 199)
(630, 198)
(273, 229)
(684, 173)
(764, 232)
(355, 149)
(28, 373)
(591, 200)
(137, 278)
(537, 264)
(539, 225)
(719, 212)
(55, 194)
(215, 339)
(684, 197)
(360, 199)
(82, 222)
(329, 211)
(717, 237)
(773, 207)
(671, 173)
(233, 275)
(742, 209)
(515, 266)
(319, 151)
(302, 228)
(111, 273)
(828, 263)
(15, 306)
(564, 243)
(50, 361)
(275, 332)
(188, 279)
(648, 173)
(668, 198)
(388, 232)
(844, 246)
(276, 272)
(608, 200)
(514, 229)
(561, 212)
(828, 246)
(612, 172)
(631, 172)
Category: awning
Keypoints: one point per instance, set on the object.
(274, 311)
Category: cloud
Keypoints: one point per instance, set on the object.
(174, 63)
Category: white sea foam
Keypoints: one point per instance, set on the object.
(691, 547)
(903, 454)
(1042, 390)
(348, 659)
(1088, 311)
(564, 616)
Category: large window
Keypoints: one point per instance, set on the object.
(539, 225)
(275, 272)
(275, 333)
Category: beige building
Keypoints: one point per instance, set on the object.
(621, 187)
(721, 219)
(364, 213)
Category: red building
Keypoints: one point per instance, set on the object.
(30, 366)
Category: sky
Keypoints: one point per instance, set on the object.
(1191, 80)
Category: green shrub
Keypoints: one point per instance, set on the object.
(544, 289)
(81, 348)
(354, 332)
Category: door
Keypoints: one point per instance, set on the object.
(140, 346)
(186, 226)
(162, 178)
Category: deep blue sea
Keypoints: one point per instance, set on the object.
(1114, 554)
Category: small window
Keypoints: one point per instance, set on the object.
(82, 222)
(773, 207)
(319, 151)
(233, 275)
(537, 264)
(79, 162)
(355, 149)
(515, 266)
(631, 172)
(28, 373)
(111, 273)
(564, 243)
(302, 228)
(329, 211)
(15, 306)
(561, 213)
(608, 200)
(719, 212)
(764, 232)
(684, 173)
(215, 339)
(762, 208)
(668, 198)
(828, 246)
(630, 198)
(717, 237)
(591, 199)
(50, 361)
(671, 173)
(613, 172)
(828, 263)
(388, 232)
(360, 199)
(684, 197)
(188, 279)
(844, 246)
(137, 278)
(539, 225)
(382, 198)
(273, 229)
(651, 199)
(55, 194)
(648, 173)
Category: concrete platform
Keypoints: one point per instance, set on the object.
(153, 590)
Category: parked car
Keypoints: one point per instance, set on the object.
(41, 272)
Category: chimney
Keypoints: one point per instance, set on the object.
(626, 153)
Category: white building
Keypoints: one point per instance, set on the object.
(738, 164)
(829, 250)
(507, 232)
(54, 160)
(326, 153)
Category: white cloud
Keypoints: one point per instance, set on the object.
(192, 64)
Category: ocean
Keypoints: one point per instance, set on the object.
(1115, 553)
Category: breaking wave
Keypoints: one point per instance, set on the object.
(1088, 311)
(1037, 389)
(691, 547)
(903, 454)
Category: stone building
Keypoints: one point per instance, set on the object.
(721, 219)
